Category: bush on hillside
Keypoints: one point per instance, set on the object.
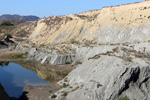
(6, 23)
(8, 35)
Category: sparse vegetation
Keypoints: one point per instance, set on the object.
(124, 98)
(87, 43)
(19, 55)
(74, 89)
(65, 93)
(26, 53)
(129, 59)
(65, 85)
(115, 49)
(53, 96)
(6, 23)
(68, 63)
(42, 45)
(78, 62)
(50, 91)
(66, 79)
(95, 57)
(4, 63)
(13, 55)
(8, 35)
(62, 73)
(73, 41)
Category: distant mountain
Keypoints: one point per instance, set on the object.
(18, 17)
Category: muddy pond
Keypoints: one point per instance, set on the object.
(15, 77)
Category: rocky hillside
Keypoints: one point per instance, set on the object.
(118, 24)
(18, 17)
(109, 72)
(109, 48)
(109, 25)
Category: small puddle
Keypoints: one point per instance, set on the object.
(14, 78)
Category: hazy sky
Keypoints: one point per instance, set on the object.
(47, 8)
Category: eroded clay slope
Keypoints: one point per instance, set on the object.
(109, 72)
(126, 23)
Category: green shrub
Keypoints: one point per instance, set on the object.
(65, 94)
(68, 62)
(61, 73)
(50, 91)
(8, 35)
(94, 57)
(129, 59)
(78, 62)
(26, 53)
(6, 23)
(74, 41)
(87, 43)
(124, 98)
(65, 85)
(42, 45)
(18, 55)
(53, 96)
(3, 63)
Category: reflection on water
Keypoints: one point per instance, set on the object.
(15, 78)
(48, 73)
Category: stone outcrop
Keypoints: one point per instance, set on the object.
(45, 56)
(5, 42)
(3, 94)
(109, 73)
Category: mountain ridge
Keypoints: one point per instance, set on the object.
(6, 17)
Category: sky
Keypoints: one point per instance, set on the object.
(46, 8)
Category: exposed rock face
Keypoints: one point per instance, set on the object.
(3, 94)
(109, 73)
(46, 57)
(118, 24)
(111, 48)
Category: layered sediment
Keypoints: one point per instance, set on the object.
(110, 49)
